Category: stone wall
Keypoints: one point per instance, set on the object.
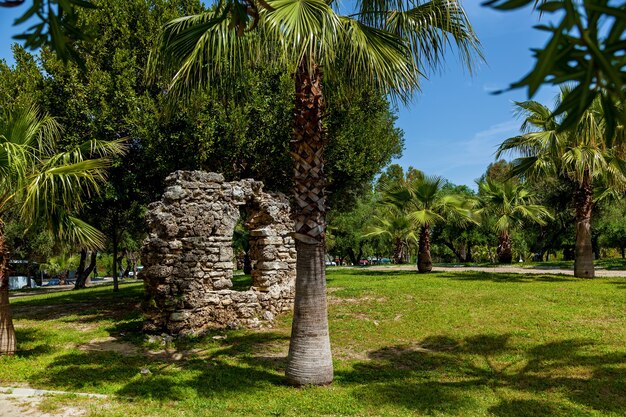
(188, 255)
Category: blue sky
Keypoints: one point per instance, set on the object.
(453, 127)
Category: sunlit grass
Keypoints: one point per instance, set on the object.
(443, 344)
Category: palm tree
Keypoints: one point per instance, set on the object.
(511, 205)
(44, 186)
(385, 45)
(393, 222)
(589, 154)
(425, 204)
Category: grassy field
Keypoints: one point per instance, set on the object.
(444, 344)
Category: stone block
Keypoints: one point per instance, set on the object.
(271, 265)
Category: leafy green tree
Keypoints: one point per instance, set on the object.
(383, 45)
(511, 206)
(586, 49)
(587, 154)
(558, 233)
(346, 229)
(46, 187)
(611, 226)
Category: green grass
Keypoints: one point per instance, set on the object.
(443, 344)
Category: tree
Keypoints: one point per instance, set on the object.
(587, 154)
(392, 221)
(425, 205)
(459, 238)
(346, 228)
(385, 46)
(46, 187)
(586, 49)
(511, 205)
(611, 226)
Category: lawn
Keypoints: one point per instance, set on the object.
(443, 344)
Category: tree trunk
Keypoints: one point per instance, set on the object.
(7, 331)
(352, 256)
(583, 262)
(80, 272)
(424, 262)
(247, 263)
(309, 360)
(92, 266)
(398, 251)
(504, 252)
(469, 252)
(115, 264)
(82, 275)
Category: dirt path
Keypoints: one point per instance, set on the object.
(28, 407)
(500, 269)
(20, 401)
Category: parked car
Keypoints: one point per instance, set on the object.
(331, 263)
(132, 273)
(364, 262)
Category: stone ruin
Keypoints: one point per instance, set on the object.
(188, 255)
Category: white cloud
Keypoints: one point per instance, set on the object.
(480, 149)
(460, 161)
(492, 87)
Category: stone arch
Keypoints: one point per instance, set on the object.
(188, 255)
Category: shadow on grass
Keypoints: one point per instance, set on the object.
(443, 374)
(508, 277)
(461, 275)
(31, 343)
(84, 306)
(211, 372)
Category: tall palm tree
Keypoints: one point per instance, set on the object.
(511, 205)
(42, 185)
(425, 204)
(387, 45)
(589, 154)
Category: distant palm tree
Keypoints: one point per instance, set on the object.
(384, 45)
(44, 186)
(589, 154)
(510, 205)
(425, 204)
(394, 223)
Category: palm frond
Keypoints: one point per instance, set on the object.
(430, 27)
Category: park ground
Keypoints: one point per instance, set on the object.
(450, 343)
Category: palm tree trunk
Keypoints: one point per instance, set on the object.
(505, 254)
(397, 251)
(309, 360)
(424, 262)
(583, 262)
(7, 331)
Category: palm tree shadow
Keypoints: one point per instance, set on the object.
(445, 375)
(210, 373)
(501, 277)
